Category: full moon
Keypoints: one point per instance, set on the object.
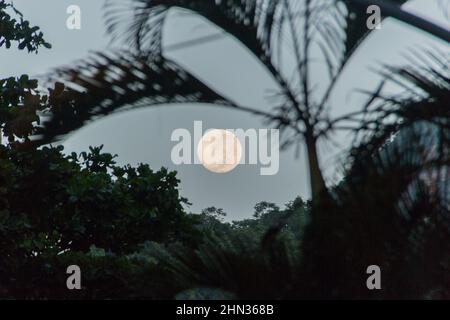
(219, 151)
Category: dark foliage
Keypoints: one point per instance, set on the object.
(393, 204)
(13, 28)
(51, 204)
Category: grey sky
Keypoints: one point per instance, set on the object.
(144, 135)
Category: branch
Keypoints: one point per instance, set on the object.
(396, 12)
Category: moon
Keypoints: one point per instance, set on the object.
(219, 151)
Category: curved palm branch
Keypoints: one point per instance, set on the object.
(337, 27)
(108, 83)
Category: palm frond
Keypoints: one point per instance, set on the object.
(396, 201)
(251, 22)
(342, 23)
(336, 27)
(239, 266)
(426, 88)
(107, 83)
(392, 208)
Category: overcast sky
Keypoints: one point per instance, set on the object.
(144, 135)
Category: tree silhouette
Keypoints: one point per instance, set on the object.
(392, 206)
(145, 76)
(58, 209)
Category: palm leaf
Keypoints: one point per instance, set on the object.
(237, 265)
(251, 22)
(341, 24)
(107, 83)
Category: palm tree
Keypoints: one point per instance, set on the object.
(392, 207)
(145, 76)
